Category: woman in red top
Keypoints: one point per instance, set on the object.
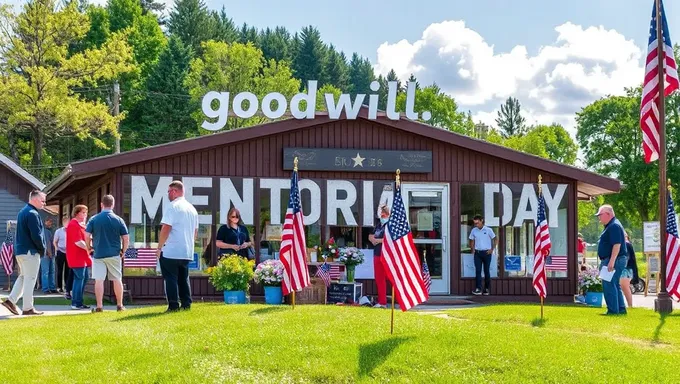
(78, 255)
(581, 250)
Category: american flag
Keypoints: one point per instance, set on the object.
(541, 249)
(672, 253)
(322, 273)
(556, 263)
(140, 258)
(649, 112)
(293, 250)
(426, 275)
(400, 258)
(7, 252)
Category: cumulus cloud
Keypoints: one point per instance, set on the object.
(581, 65)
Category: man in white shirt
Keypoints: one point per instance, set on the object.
(176, 247)
(482, 243)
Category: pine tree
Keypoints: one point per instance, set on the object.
(510, 121)
(276, 44)
(310, 58)
(249, 35)
(412, 79)
(361, 75)
(225, 29)
(337, 69)
(392, 76)
(191, 21)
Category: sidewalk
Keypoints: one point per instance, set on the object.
(50, 309)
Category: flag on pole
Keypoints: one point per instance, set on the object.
(323, 273)
(541, 249)
(400, 258)
(426, 275)
(7, 252)
(293, 244)
(672, 252)
(649, 111)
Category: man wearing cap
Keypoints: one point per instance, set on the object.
(612, 252)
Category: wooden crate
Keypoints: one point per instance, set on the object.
(315, 293)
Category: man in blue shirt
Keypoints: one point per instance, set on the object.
(107, 231)
(612, 252)
(482, 243)
(29, 245)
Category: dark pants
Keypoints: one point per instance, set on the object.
(176, 276)
(482, 258)
(63, 272)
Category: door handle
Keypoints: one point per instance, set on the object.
(444, 243)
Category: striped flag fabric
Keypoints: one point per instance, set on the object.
(541, 249)
(7, 252)
(672, 252)
(322, 272)
(140, 258)
(400, 258)
(426, 275)
(556, 263)
(649, 106)
(293, 244)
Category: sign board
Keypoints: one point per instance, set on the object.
(357, 160)
(346, 293)
(653, 264)
(651, 236)
(513, 263)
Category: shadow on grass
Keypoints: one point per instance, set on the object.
(538, 322)
(142, 316)
(374, 354)
(267, 310)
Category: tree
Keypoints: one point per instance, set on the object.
(225, 29)
(321, 96)
(152, 7)
(443, 109)
(276, 44)
(38, 74)
(237, 68)
(412, 79)
(191, 21)
(310, 57)
(337, 69)
(509, 120)
(249, 35)
(360, 76)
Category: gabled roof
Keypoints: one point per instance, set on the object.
(22, 173)
(589, 183)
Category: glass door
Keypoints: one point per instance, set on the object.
(427, 207)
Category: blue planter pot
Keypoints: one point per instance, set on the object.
(235, 297)
(594, 298)
(273, 295)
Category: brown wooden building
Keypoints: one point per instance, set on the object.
(346, 170)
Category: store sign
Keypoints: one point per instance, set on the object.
(527, 209)
(216, 105)
(341, 197)
(357, 160)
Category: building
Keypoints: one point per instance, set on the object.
(347, 167)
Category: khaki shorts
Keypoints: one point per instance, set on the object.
(112, 265)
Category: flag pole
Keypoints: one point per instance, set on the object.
(540, 192)
(290, 272)
(663, 303)
(397, 184)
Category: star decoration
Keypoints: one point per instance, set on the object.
(358, 161)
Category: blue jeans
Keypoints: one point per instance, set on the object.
(80, 276)
(47, 274)
(482, 258)
(613, 295)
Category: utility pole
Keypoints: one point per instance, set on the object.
(116, 111)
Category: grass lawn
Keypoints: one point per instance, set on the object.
(265, 344)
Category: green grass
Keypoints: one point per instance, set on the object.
(330, 344)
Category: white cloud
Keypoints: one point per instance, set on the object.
(580, 66)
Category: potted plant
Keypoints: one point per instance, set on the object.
(329, 251)
(232, 274)
(270, 274)
(351, 257)
(590, 283)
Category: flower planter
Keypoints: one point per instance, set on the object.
(594, 299)
(350, 273)
(273, 295)
(235, 297)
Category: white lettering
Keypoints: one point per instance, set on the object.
(309, 97)
(368, 204)
(490, 190)
(267, 107)
(507, 204)
(411, 100)
(528, 196)
(141, 196)
(252, 105)
(392, 101)
(553, 203)
(221, 113)
(197, 182)
(345, 205)
(344, 102)
(229, 195)
(276, 186)
(373, 101)
(314, 202)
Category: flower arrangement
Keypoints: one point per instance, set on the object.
(351, 256)
(589, 280)
(232, 273)
(330, 249)
(269, 273)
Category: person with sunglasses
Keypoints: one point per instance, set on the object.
(233, 237)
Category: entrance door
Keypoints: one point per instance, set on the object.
(427, 206)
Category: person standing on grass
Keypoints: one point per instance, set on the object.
(47, 260)
(29, 245)
(613, 255)
(376, 238)
(59, 244)
(107, 231)
(630, 273)
(78, 255)
(482, 243)
(176, 247)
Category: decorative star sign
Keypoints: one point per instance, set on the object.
(358, 161)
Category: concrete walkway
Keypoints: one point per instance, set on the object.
(50, 310)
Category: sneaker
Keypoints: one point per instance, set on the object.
(380, 306)
(79, 307)
(67, 296)
(477, 292)
(120, 308)
(75, 307)
(84, 307)
(97, 310)
(54, 291)
(486, 292)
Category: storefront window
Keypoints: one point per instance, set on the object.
(477, 199)
(342, 213)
